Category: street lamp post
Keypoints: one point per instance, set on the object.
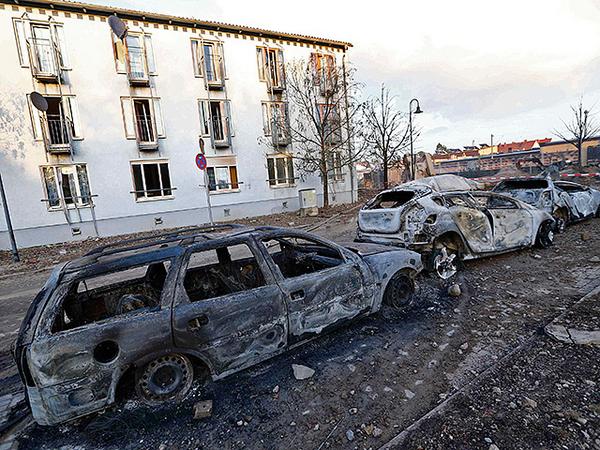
(418, 110)
(11, 233)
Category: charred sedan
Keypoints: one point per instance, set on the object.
(449, 225)
(149, 314)
(567, 202)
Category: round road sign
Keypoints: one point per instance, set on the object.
(201, 161)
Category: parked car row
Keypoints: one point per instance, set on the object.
(148, 315)
(448, 218)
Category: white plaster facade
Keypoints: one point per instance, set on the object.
(102, 144)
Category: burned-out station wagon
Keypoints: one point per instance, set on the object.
(150, 313)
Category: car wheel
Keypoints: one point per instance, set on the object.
(444, 259)
(400, 291)
(166, 378)
(545, 235)
(560, 217)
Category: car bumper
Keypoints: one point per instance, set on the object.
(64, 402)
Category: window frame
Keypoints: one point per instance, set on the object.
(289, 181)
(78, 201)
(141, 198)
(335, 173)
(213, 188)
(264, 267)
(225, 120)
(57, 38)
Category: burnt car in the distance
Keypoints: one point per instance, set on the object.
(146, 315)
(568, 202)
(438, 218)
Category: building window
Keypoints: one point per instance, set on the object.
(135, 55)
(324, 71)
(41, 44)
(271, 66)
(330, 121)
(61, 122)
(275, 122)
(223, 178)
(281, 170)
(334, 166)
(143, 119)
(215, 121)
(151, 180)
(66, 185)
(208, 61)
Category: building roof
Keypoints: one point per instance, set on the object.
(131, 14)
(521, 145)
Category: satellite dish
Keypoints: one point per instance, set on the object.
(39, 101)
(117, 26)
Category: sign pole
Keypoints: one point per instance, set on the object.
(206, 183)
(202, 164)
(11, 234)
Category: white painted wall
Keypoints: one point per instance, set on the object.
(98, 88)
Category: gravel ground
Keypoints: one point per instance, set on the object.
(482, 359)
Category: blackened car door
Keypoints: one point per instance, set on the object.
(228, 309)
(323, 287)
(472, 221)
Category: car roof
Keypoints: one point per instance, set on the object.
(147, 249)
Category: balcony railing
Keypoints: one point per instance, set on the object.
(137, 70)
(44, 59)
(275, 77)
(59, 134)
(280, 134)
(221, 135)
(146, 133)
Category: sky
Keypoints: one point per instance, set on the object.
(509, 68)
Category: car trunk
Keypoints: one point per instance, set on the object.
(383, 213)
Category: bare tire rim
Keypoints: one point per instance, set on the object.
(400, 292)
(166, 378)
(444, 264)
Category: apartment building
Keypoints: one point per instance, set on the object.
(114, 152)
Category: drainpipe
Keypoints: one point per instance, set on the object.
(11, 234)
(350, 155)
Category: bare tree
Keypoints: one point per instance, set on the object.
(579, 128)
(386, 132)
(324, 115)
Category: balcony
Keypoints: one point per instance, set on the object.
(146, 134)
(59, 134)
(44, 60)
(221, 136)
(280, 135)
(137, 70)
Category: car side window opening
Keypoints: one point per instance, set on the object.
(495, 202)
(222, 271)
(298, 256)
(458, 200)
(93, 299)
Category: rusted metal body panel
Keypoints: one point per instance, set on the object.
(484, 223)
(73, 369)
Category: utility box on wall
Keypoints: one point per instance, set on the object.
(308, 202)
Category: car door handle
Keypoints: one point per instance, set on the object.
(297, 295)
(197, 322)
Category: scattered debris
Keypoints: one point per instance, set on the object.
(350, 435)
(203, 409)
(573, 336)
(302, 372)
(454, 290)
(529, 403)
